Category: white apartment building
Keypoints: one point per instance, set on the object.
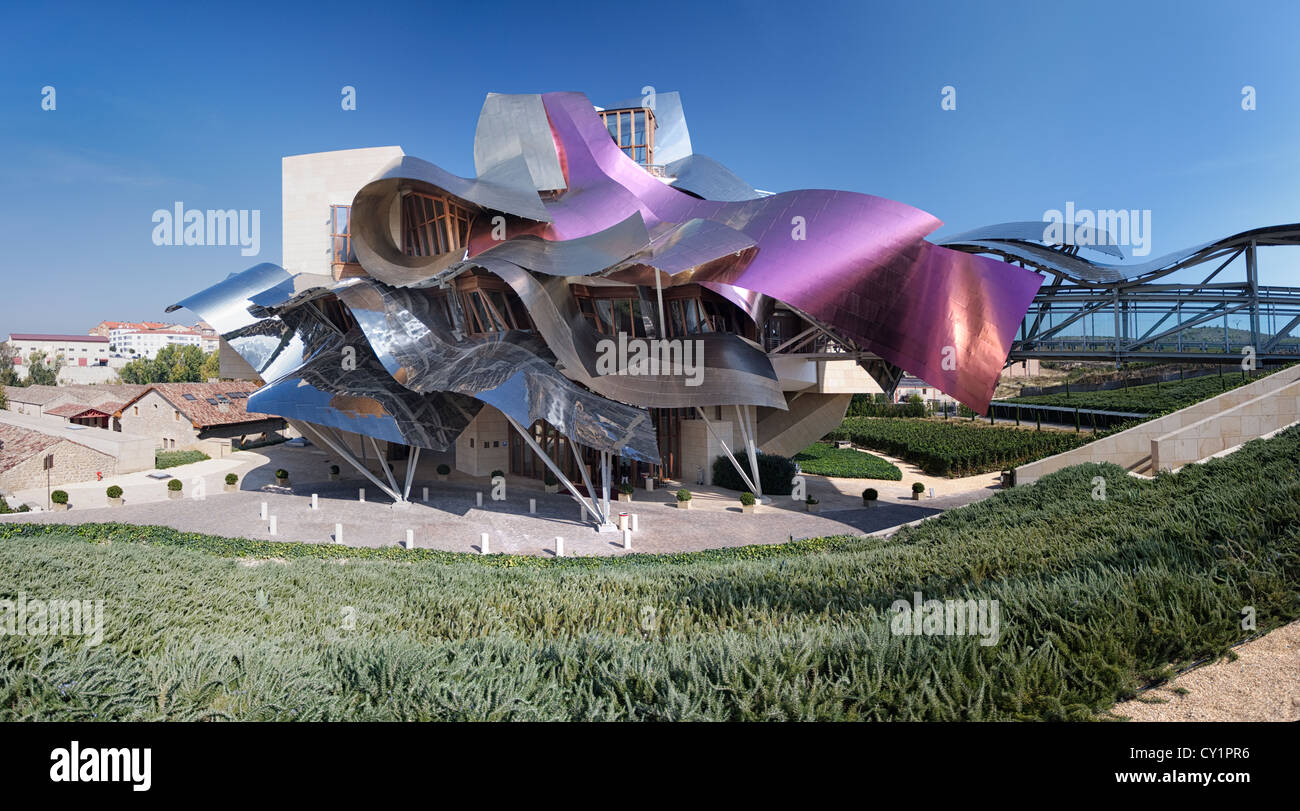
(76, 350)
(145, 343)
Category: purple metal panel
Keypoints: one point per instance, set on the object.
(860, 263)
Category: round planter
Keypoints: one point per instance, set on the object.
(58, 508)
(175, 494)
(115, 502)
(627, 497)
(916, 496)
(868, 503)
(748, 508)
(232, 488)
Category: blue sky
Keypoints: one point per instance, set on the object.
(1109, 105)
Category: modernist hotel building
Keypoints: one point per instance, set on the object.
(424, 318)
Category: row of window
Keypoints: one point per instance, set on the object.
(688, 310)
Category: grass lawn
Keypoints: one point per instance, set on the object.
(1097, 597)
(823, 459)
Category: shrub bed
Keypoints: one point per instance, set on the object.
(950, 448)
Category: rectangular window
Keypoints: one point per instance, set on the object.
(341, 234)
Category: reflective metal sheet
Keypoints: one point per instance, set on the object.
(1034, 231)
(731, 371)
(702, 175)
(509, 370)
(510, 126)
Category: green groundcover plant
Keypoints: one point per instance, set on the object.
(1097, 598)
(822, 459)
(166, 459)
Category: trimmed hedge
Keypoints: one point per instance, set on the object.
(774, 472)
(862, 405)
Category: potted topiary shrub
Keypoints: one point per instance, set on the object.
(747, 502)
(869, 497)
(232, 482)
(625, 492)
(812, 505)
(114, 494)
(174, 488)
(59, 500)
(917, 489)
(552, 483)
(444, 470)
(282, 477)
(334, 473)
(683, 499)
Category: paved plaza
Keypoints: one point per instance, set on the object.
(452, 520)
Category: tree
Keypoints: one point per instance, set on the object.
(173, 364)
(212, 366)
(183, 364)
(8, 376)
(41, 374)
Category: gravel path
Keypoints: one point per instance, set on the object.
(1263, 684)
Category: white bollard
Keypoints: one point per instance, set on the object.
(532, 506)
(338, 533)
(627, 539)
(263, 510)
(315, 502)
(273, 525)
(483, 543)
(559, 547)
(478, 498)
(410, 539)
(426, 494)
(634, 522)
(361, 496)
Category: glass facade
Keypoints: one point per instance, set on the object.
(633, 131)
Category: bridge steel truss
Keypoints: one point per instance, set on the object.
(1094, 312)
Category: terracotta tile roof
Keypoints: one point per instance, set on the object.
(77, 410)
(36, 395)
(19, 444)
(224, 410)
